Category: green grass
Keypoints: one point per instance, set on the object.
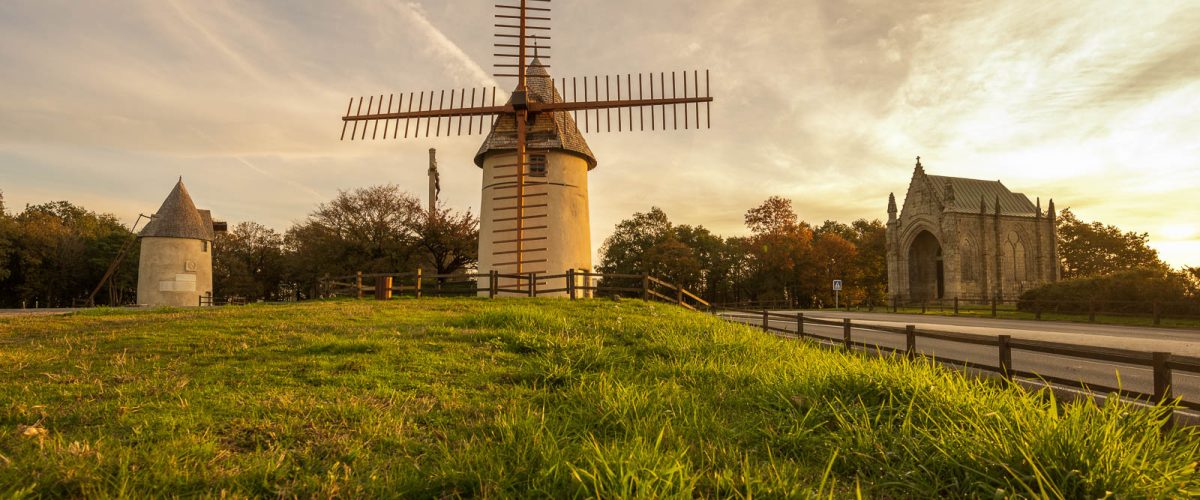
(531, 398)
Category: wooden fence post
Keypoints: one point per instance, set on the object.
(800, 324)
(358, 284)
(1162, 383)
(846, 333)
(645, 287)
(571, 283)
(1037, 307)
(766, 325)
(993, 306)
(1091, 311)
(679, 295)
(1162, 376)
(956, 305)
(924, 306)
(1005, 356)
(910, 341)
(418, 282)
(1157, 314)
(492, 285)
(532, 285)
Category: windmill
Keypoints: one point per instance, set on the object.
(534, 213)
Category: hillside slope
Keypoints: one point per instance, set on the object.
(529, 398)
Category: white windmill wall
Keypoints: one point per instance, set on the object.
(174, 272)
(568, 229)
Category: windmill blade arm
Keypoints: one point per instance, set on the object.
(612, 104)
(433, 113)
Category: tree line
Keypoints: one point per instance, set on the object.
(787, 260)
(54, 254)
(784, 259)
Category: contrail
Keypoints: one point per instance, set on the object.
(458, 61)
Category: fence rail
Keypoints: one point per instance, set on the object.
(1163, 364)
(572, 283)
(1151, 310)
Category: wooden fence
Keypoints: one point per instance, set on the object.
(1155, 311)
(574, 284)
(1163, 364)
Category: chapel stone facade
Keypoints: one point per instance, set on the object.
(968, 239)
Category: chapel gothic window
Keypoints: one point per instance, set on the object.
(1016, 258)
(968, 262)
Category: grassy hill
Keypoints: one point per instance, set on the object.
(530, 398)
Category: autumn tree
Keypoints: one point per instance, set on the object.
(449, 240)
(781, 265)
(1095, 249)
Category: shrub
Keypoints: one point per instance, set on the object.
(1132, 292)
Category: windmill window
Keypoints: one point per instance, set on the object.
(537, 165)
(204, 246)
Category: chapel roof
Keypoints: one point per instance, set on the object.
(553, 131)
(969, 192)
(179, 218)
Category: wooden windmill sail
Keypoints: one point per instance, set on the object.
(532, 213)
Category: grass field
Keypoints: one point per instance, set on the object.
(530, 398)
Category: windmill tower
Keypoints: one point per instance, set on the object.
(175, 266)
(535, 162)
(557, 233)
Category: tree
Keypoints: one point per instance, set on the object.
(8, 233)
(1095, 249)
(780, 258)
(870, 238)
(248, 261)
(624, 252)
(839, 259)
(367, 229)
(1192, 276)
(647, 243)
(58, 253)
(450, 240)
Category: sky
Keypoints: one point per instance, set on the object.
(826, 103)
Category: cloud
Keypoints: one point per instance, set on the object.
(824, 102)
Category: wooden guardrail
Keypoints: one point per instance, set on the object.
(1163, 364)
(572, 283)
(1153, 310)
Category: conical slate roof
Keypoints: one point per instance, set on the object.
(554, 131)
(179, 218)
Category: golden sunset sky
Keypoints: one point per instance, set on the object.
(1093, 103)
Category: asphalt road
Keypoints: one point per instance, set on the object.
(1129, 377)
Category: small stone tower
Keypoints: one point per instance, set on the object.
(558, 230)
(175, 267)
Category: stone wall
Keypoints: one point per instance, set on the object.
(174, 272)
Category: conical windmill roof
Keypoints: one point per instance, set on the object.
(179, 218)
(554, 131)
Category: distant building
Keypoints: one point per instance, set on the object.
(967, 238)
(175, 266)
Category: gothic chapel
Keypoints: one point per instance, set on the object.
(969, 239)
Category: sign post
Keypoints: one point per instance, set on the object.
(837, 289)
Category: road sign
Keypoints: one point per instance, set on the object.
(837, 285)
